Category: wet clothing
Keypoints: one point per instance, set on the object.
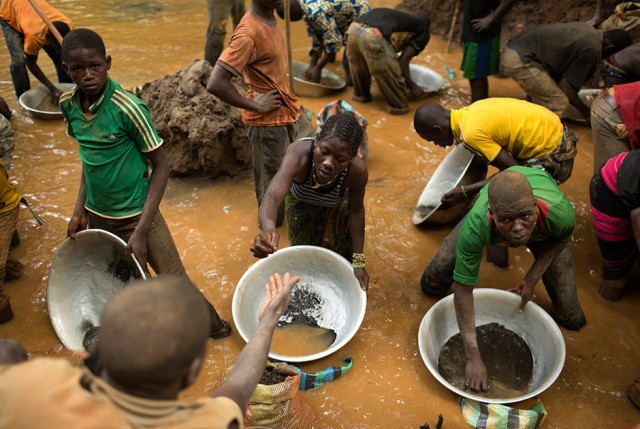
(328, 20)
(7, 141)
(390, 21)
(219, 12)
(555, 220)
(521, 128)
(68, 397)
(529, 132)
(615, 125)
(460, 254)
(570, 50)
(481, 59)
(319, 214)
(538, 58)
(25, 33)
(312, 192)
(614, 193)
(113, 140)
(257, 51)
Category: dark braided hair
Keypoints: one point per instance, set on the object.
(345, 127)
(82, 38)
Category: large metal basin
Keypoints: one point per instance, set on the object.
(459, 167)
(81, 281)
(33, 98)
(330, 82)
(313, 265)
(534, 325)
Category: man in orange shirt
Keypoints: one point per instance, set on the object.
(25, 34)
(271, 112)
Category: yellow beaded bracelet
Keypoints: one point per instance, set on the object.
(358, 260)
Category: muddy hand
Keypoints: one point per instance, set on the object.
(453, 196)
(278, 294)
(265, 244)
(78, 222)
(525, 291)
(267, 101)
(476, 376)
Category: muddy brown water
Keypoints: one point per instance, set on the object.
(389, 385)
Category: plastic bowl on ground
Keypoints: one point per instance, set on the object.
(330, 82)
(313, 265)
(534, 325)
(459, 167)
(427, 79)
(37, 101)
(84, 274)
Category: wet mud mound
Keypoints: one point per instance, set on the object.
(524, 14)
(506, 356)
(203, 136)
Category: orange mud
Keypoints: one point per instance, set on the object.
(389, 385)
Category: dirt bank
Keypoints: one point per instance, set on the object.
(525, 14)
(203, 136)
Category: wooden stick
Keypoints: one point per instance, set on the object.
(47, 21)
(456, 11)
(287, 23)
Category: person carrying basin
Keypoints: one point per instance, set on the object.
(117, 144)
(322, 182)
(520, 206)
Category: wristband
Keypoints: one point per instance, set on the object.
(463, 192)
(358, 260)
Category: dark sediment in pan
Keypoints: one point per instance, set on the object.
(506, 355)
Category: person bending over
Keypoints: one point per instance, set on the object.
(519, 207)
(322, 182)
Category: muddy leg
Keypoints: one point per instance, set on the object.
(560, 282)
(437, 278)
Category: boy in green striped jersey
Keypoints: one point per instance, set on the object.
(117, 144)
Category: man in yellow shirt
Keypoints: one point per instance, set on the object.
(25, 34)
(504, 132)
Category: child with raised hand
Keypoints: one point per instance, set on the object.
(117, 144)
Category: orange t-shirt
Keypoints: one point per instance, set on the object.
(257, 51)
(20, 15)
(50, 393)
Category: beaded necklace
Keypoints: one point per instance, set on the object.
(317, 184)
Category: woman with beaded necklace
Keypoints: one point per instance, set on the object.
(322, 182)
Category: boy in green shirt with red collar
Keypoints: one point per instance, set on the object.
(117, 142)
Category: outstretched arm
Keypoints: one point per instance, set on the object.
(574, 99)
(405, 58)
(32, 64)
(476, 377)
(292, 164)
(242, 380)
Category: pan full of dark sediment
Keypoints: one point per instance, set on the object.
(326, 309)
(524, 352)
(84, 274)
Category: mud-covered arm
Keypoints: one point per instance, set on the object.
(574, 99)
(476, 377)
(79, 219)
(356, 219)
(220, 85)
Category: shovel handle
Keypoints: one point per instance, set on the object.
(47, 21)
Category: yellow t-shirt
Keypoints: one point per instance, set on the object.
(51, 393)
(20, 15)
(521, 128)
